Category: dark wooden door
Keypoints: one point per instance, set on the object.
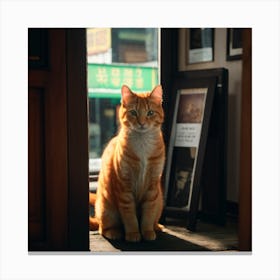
(245, 188)
(57, 140)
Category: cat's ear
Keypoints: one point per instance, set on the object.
(156, 94)
(127, 95)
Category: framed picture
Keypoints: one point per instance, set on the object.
(192, 111)
(200, 42)
(234, 43)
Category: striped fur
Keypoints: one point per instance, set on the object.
(129, 197)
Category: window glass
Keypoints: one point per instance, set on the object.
(116, 56)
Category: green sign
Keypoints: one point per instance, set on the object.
(106, 80)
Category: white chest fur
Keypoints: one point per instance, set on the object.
(144, 146)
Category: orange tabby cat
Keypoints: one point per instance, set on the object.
(129, 197)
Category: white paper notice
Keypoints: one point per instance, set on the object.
(200, 55)
(187, 134)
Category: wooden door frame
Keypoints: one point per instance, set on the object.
(169, 68)
(78, 174)
(245, 188)
(63, 84)
(50, 80)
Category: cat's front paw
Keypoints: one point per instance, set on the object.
(112, 234)
(149, 235)
(133, 236)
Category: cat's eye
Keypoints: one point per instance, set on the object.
(150, 113)
(133, 113)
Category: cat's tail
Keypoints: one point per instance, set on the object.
(92, 198)
(93, 222)
(159, 227)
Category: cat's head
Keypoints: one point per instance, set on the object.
(141, 112)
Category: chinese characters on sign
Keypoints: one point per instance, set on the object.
(112, 77)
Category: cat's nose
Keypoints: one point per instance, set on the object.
(141, 123)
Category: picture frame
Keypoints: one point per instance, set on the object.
(200, 42)
(185, 155)
(234, 44)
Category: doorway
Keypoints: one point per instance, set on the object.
(56, 58)
(116, 56)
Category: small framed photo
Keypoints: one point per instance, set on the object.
(200, 45)
(192, 111)
(234, 43)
